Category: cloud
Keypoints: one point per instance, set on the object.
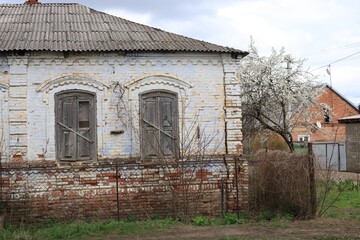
(317, 30)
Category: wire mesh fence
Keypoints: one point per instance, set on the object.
(117, 191)
(282, 183)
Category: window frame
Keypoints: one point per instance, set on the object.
(175, 127)
(301, 138)
(326, 113)
(80, 96)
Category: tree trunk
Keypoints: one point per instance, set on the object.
(288, 139)
(291, 146)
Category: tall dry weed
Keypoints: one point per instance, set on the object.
(280, 182)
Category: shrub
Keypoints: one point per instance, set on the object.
(232, 218)
(200, 221)
(273, 142)
(280, 184)
(347, 185)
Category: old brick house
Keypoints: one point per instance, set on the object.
(352, 142)
(97, 113)
(323, 118)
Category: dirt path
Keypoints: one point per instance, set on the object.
(313, 229)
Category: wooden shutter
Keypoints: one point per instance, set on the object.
(159, 124)
(151, 138)
(75, 126)
(68, 139)
(166, 109)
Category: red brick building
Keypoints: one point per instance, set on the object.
(323, 118)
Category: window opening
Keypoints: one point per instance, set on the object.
(75, 125)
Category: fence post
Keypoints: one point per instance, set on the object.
(222, 197)
(237, 187)
(312, 184)
(117, 192)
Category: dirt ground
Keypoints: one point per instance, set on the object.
(321, 228)
(313, 229)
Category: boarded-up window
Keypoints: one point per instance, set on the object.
(75, 126)
(159, 124)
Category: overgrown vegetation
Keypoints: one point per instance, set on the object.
(347, 206)
(228, 219)
(280, 184)
(77, 230)
(342, 201)
(301, 148)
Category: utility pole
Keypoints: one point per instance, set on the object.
(288, 63)
(328, 70)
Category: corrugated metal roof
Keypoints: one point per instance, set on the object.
(74, 27)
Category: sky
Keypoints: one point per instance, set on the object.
(322, 31)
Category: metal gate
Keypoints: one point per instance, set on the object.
(330, 155)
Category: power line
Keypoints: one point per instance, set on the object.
(325, 51)
(336, 61)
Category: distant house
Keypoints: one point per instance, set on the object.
(323, 118)
(352, 142)
(97, 113)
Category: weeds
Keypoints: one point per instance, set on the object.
(77, 230)
(200, 221)
(343, 194)
(343, 200)
(280, 184)
(348, 185)
(346, 206)
(268, 215)
(232, 218)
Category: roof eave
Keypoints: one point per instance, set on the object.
(342, 97)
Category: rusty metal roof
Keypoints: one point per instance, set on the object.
(74, 27)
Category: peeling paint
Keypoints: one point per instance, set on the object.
(202, 84)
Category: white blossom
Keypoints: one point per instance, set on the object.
(275, 90)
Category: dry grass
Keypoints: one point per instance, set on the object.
(280, 183)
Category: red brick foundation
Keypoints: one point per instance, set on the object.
(120, 190)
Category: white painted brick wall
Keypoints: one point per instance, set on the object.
(197, 78)
(4, 108)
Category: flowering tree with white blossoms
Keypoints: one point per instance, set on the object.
(276, 90)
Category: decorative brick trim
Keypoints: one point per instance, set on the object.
(151, 79)
(120, 61)
(70, 79)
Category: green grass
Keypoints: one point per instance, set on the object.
(347, 206)
(228, 219)
(78, 230)
(345, 200)
(300, 148)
